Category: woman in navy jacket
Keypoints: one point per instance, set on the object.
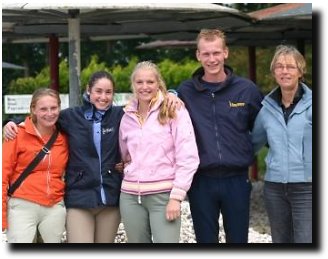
(92, 182)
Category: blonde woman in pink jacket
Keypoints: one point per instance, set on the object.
(160, 157)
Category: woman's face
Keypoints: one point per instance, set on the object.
(101, 93)
(46, 111)
(286, 72)
(145, 85)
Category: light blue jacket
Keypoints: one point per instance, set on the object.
(289, 158)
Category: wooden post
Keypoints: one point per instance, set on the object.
(54, 62)
(252, 76)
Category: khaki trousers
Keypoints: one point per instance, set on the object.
(97, 225)
(26, 217)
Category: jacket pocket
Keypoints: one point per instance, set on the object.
(81, 177)
(307, 142)
(112, 181)
(72, 177)
(307, 151)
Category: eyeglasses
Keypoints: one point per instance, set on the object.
(280, 67)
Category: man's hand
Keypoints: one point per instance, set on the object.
(10, 131)
(174, 102)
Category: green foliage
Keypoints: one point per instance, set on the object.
(122, 75)
(174, 73)
(28, 85)
(261, 162)
(92, 67)
(63, 77)
(264, 79)
(238, 60)
(308, 58)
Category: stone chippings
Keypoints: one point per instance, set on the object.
(259, 230)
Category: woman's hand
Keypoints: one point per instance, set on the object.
(119, 167)
(173, 209)
(10, 131)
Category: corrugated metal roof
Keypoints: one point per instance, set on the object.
(283, 11)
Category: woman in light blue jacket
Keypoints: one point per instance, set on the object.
(285, 124)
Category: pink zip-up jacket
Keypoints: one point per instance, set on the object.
(163, 158)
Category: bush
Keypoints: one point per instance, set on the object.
(261, 162)
(172, 72)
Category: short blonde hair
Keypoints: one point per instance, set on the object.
(39, 93)
(288, 50)
(210, 35)
(165, 114)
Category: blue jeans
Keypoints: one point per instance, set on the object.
(289, 208)
(209, 196)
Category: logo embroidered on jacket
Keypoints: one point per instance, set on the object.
(231, 104)
(107, 130)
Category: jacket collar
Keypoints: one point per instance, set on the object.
(276, 95)
(306, 99)
(28, 126)
(198, 74)
(90, 111)
(155, 103)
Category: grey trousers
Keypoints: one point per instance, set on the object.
(146, 222)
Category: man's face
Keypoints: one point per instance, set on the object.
(211, 54)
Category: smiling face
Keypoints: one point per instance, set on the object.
(145, 84)
(211, 53)
(286, 72)
(46, 112)
(101, 93)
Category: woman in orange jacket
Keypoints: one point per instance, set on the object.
(38, 202)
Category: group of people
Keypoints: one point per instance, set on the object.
(137, 163)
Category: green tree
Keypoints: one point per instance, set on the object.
(250, 7)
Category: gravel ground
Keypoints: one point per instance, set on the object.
(259, 231)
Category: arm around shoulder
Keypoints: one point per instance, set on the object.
(186, 154)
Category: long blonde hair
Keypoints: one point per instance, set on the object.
(164, 114)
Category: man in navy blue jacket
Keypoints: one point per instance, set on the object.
(223, 108)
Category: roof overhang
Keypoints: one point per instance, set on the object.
(27, 22)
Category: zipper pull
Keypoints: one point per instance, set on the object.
(139, 199)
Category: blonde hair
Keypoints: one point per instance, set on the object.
(164, 114)
(210, 35)
(39, 93)
(286, 50)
